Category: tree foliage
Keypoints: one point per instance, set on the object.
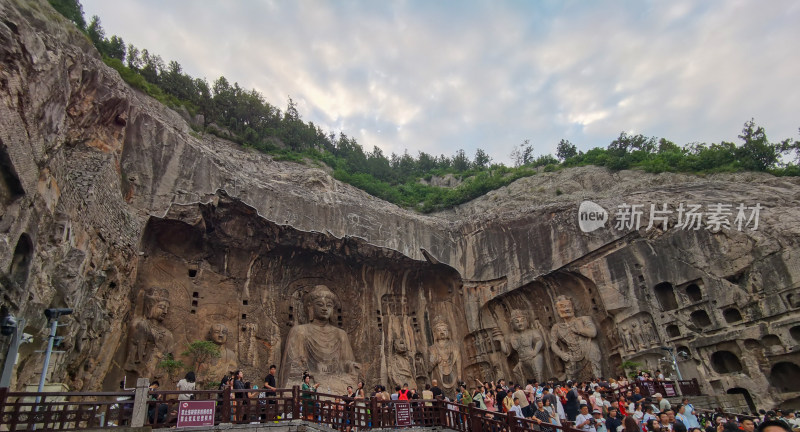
(565, 150)
(171, 367)
(72, 10)
(247, 118)
(200, 353)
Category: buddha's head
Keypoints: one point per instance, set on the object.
(321, 304)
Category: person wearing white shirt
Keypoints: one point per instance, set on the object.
(585, 421)
(648, 414)
(516, 409)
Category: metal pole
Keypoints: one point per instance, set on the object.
(50, 340)
(11, 356)
(675, 362)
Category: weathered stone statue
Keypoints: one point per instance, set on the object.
(627, 341)
(148, 339)
(319, 347)
(218, 367)
(573, 342)
(638, 339)
(445, 355)
(528, 342)
(401, 366)
(649, 334)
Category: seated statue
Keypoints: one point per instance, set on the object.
(320, 348)
(227, 361)
(573, 342)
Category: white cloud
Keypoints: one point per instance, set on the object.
(441, 76)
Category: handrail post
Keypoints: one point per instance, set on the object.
(3, 398)
(474, 417)
(225, 414)
(442, 406)
(296, 402)
(511, 421)
(373, 409)
(139, 414)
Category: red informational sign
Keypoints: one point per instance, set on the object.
(402, 411)
(196, 413)
(669, 389)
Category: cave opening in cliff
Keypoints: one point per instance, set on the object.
(795, 333)
(732, 315)
(673, 331)
(747, 397)
(10, 186)
(21, 262)
(785, 376)
(770, 341)
(725, 362)
(694, 292)
(700, 318)
(666, 296)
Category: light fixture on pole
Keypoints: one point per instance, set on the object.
(10, 326)
(52, 315)
(674, 360)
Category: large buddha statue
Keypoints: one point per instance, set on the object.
(445, 355)
(573, 342)
(319, 347)
(528, 342)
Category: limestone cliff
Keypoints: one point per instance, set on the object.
(111, 205)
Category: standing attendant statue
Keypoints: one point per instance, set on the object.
(148, 339)
(573, 342)
(528, 342)
(445, 355)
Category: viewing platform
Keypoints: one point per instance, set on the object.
(289, 409)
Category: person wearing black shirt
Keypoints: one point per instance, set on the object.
(347, 414)
(501, 395)
(269, 382)
(613, 421)
(436, 390)
(238, 384)
(269, 391)
(540, 415)
(572, 405)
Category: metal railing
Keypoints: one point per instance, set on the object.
(159, 409)
(64, 410)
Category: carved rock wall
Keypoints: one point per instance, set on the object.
(109, 203)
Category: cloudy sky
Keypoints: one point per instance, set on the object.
(438, 76)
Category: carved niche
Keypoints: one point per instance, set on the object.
(639, 333)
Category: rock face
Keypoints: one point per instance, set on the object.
(159, 237)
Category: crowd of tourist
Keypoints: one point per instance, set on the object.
(598, 405)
